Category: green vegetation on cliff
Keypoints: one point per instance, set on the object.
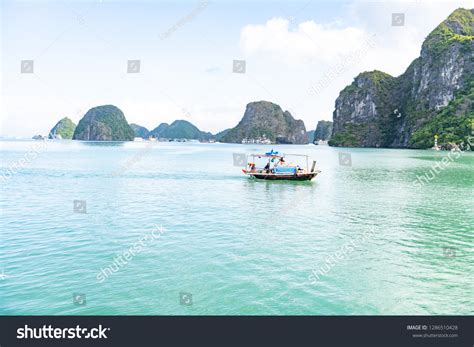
(351, 137)
(457, 27)
(453, 124)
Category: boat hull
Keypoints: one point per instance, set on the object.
(283, 177)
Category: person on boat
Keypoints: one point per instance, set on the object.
(281, 162)
(267, 167)
(252, 167)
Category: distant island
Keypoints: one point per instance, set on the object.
(140, 131)
(435, 96)
(323, 131)
(104, 123)
(64, 129)
(266, 122)
(180, 129)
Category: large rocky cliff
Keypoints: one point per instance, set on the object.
(435, 95)
(263, 119)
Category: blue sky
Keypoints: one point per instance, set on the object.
(298, 54)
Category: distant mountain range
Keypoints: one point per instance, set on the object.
(262, 119)
(180, 129)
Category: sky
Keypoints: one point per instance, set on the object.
(298, 54)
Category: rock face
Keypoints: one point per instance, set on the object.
(104, 123)
(323, 131)
(139, 131)
(180, 129)
(64, 129)
(361, 114)
(266, 119)
(435, 95)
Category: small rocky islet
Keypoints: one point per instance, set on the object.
(64, 129)
(434, 96)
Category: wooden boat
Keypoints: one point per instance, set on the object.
(280, 170)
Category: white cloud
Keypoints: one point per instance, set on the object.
(309, 41)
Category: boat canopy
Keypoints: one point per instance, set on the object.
(268, 156)
(276, 155)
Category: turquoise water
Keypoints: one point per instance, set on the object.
(235, 246)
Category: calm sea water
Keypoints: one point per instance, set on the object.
(379, 243)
